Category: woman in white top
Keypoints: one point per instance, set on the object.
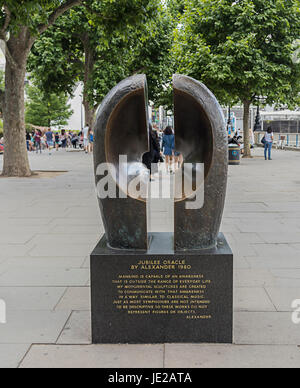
(269, 137)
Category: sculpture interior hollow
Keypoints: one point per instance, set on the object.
(122, 129)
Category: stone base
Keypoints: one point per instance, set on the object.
(160, 296)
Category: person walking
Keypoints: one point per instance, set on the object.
(269, 138)
(57, 140)
(152, 158)
(178, 160)
(37, 141)
(64, 139)
(168, 146)
(74, 140)
(50, 140)
(28, 141)
(85, 133)
(91, 141)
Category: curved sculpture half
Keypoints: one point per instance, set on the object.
(122, 129)
(201, 138)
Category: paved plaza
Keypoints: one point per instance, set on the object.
(50, 224)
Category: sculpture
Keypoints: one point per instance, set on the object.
(122, 129)
(161, 288)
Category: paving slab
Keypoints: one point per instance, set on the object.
(78, 221)
(252, 299)
(247, 238)
(11, 355)
(283, 297)
(95, 356)
(62, 249)
(253, 278)
(77, 330)
(243, 250)
(44, 262)
(76, 299)
(16, 238)
(281, 238)
(262, 226)
(44, 277)
(265, 328)
(15, 250)
(66, 238)
(240, 263)
(247, 226)
(273, 262)
(78, 229)
(231, 356)
(32, 327)
(86, 263)
(275, 250)
(31, 298)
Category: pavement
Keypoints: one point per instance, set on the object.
(50, 224)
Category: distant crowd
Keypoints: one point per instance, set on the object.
(39, 141)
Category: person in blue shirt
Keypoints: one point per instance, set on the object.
(168, 146)
(50, 140)
(269, 138)
(91, 141)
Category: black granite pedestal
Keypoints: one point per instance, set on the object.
(160, 296)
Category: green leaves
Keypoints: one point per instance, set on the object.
(47, 110)
(241, 49)
(101, 44)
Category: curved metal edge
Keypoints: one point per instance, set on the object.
(125, 220)
(199, 229)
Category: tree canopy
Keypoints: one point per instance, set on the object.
(21, 23)
(241, 50)
(47, 110)
(134, 38)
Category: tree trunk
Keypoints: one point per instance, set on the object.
(89, 108)
(15, 162)
(89, 113)
(246, 121)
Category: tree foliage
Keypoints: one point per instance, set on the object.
(47, 110)
(21, 22)
(241, 49)
(134, 36)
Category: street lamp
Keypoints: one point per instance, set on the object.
(229, 123)
(258, 121)
(257, 125)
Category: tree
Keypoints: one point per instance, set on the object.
(21, 23)
(2, 89)
(47, 110)
(81, 48)
(134, 37)
(242, 50)
(150, 54)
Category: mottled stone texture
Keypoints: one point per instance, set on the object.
(121, 129)
(201, 137)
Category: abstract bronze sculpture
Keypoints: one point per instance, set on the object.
(202, 138)
(145, 289)
(122, 129)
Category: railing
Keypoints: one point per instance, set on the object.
(281, 140)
